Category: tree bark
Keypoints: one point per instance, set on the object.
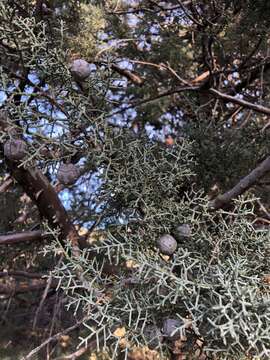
(221, 200)
(38, 188)
(11, 239)
(14, 287)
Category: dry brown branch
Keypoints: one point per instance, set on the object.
(20, 274)
(6, 184)
(44, 295)
(134, 78)
(154, 98)
(38, 188)
(15, 238)
(225, 97)
(244, 184)
(145, 9)
(244, 103)
(77, 354)
(19, 287)
(53, 338)
(204, 76)
(36, 185)
(266, 126)
(263, 210)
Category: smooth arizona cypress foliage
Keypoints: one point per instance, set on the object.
(128, 120)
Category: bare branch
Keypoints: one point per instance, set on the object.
(53, 338)
(14, 287)
(154, 98)
(77, 354)
(6, 184)
(38, 188)
(243, 185)
(21, 237)
(244, 103)
(21, 274)
(136, 79)
(45, 294)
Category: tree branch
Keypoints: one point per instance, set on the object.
(78, 353)
(6, 184)
(216, 93)
(14, 287)
(39, 189)
(130, 75)
(248, 181)
(244, 103)
(11, 239)
(53, 338)
(154, 98)
(21, 274)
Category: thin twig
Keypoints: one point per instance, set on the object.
(264, 210)
(45, 293)
(75, 355)
(53, 338)
(154, 98)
